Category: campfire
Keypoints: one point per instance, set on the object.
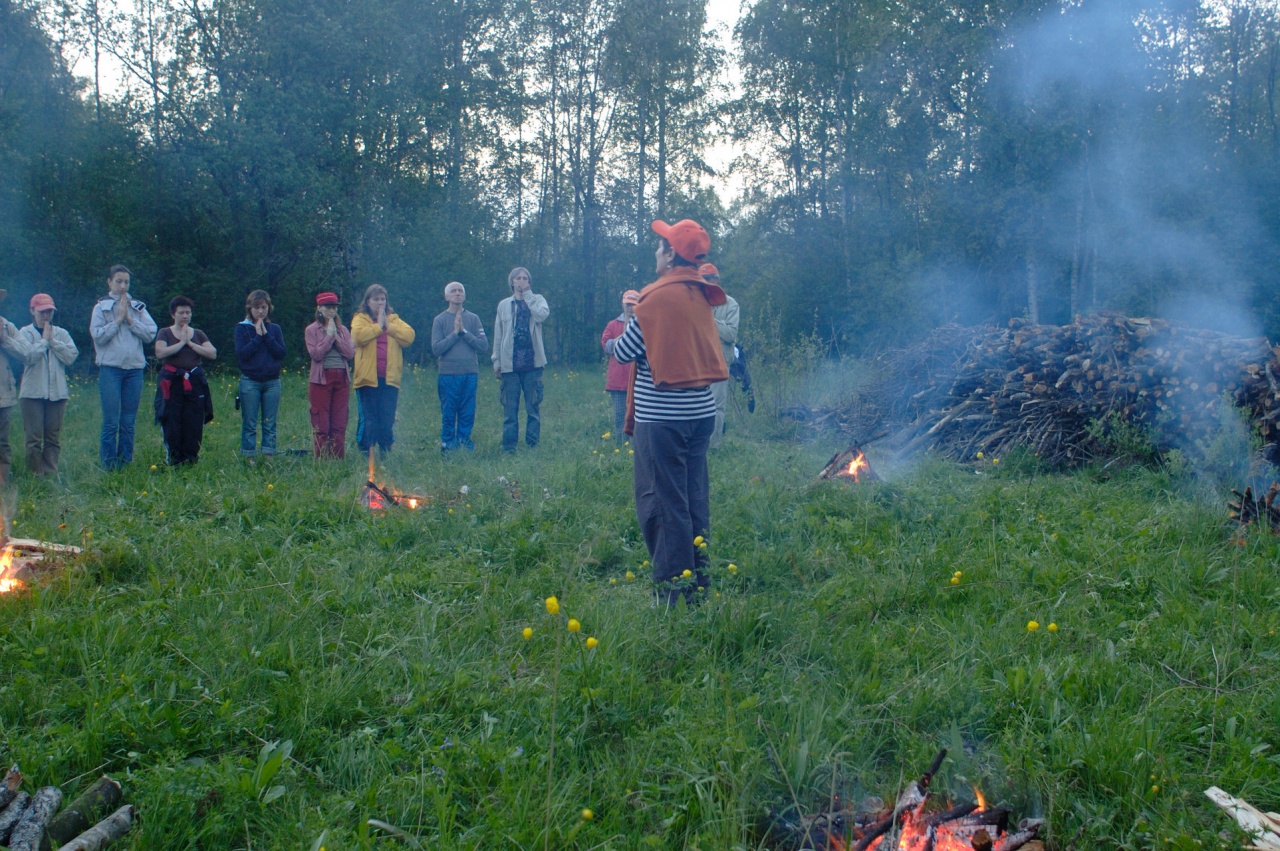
(22, 559)
(911, 826)
(1250, 508)
(851, 464)
(377, 497)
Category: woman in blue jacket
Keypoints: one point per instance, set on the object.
(260, 352)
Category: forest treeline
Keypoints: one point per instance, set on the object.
(901, 164)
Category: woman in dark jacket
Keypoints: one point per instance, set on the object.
(183, 404)
(260, 351)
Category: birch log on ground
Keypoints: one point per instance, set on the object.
(104, 832)
(30, 828)
(75, 818)
(11, 814)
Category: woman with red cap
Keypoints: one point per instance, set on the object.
(44, 392)
(329, 386)
(619, 374)
(670, 412)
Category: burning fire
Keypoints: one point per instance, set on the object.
(8, 583)
(376, 497)
(856, 466)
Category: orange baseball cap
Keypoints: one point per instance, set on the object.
(687, 237)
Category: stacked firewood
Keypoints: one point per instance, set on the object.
(39, 822)
(1047, 388)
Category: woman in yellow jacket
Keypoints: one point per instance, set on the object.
(379, 335)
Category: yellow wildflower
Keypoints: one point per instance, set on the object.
(587, 815)
(979, 456)
(630, 575)
(955, 580)
(606, 435)
(527, 633)
(153, 468)
(686, 573)
(733, 568)
(699, 541)
(613, 581)
(1032, 626)
(553, 606)
(1053, 627)
(574, 626)
(592, 643)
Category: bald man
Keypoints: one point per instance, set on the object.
(457, 341)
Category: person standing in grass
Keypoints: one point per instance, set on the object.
(329, 383)
(13, 344)
(518, 358)
(379, 335)
(726, 316)
(120, 327)
(670, 410)
(260, 353)
(457, 341)
(183, 401)
(618, 375)
(44, 392)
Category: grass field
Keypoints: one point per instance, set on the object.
(223, 608)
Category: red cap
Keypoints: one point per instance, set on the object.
(708, 269)
(42, 301)
(631, 297)
(686, 236)
(326, 298)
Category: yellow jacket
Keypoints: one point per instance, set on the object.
(365, 333)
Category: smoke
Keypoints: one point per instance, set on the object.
(1136, 206)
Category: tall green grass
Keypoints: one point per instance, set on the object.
(222, 608)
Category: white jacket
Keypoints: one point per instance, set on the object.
(113, 348)
(504, 330)
(46, 376)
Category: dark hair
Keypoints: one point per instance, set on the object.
(119, 267)
(677, 260)
(180, 301)
(257, 297)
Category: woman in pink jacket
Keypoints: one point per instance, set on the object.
(619, 374)
(329, 389)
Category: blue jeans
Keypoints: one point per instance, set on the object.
(457, 409)
(119, 390)
(258, 397)
(513, 384)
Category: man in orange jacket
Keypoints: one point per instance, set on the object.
(675, 351)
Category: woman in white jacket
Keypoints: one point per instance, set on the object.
(43, 394)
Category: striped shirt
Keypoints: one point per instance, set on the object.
(654, 405)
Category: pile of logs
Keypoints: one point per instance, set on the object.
(39, 822)
(1046, 387)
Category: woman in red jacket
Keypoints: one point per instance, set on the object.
(619, 374)
(329, 388)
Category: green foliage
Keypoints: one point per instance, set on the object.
(1119, 438)
(236, 631)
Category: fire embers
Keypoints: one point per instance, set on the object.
(851, 465)
(375, 497)
(1253, 509)
(908, 827)
(23, 559)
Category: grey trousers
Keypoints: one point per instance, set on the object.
(719, 392)
(673, 496)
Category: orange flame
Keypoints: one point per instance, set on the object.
(8, 583)
(980, 798)
(856, 466)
